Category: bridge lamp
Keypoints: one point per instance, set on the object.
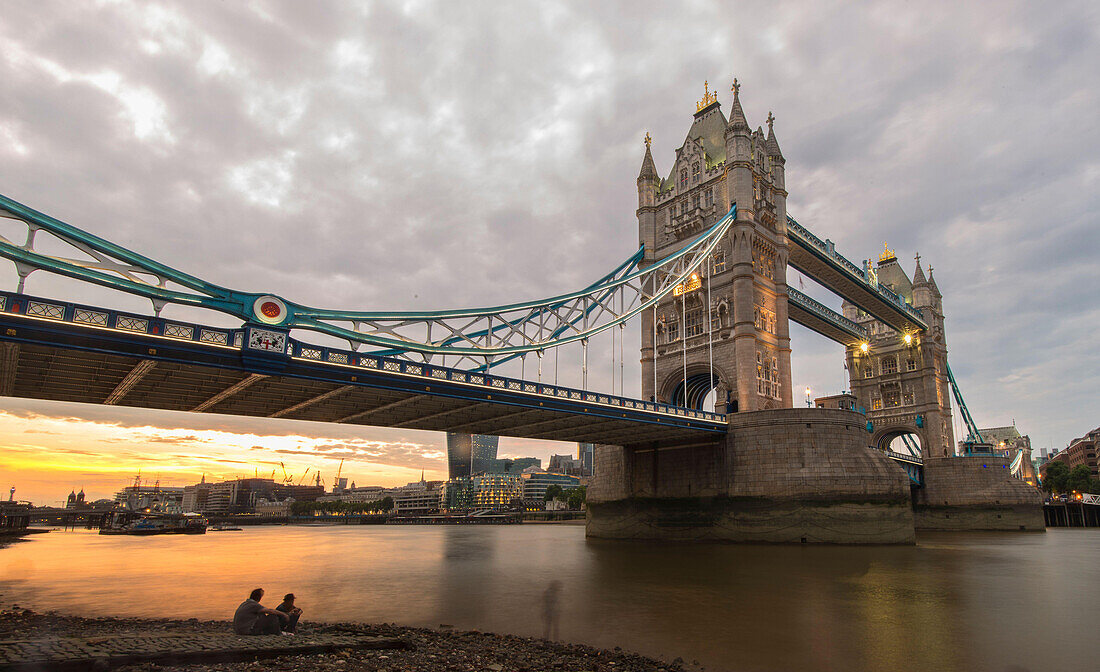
(909, 339)
(807, 396)
(863, 347)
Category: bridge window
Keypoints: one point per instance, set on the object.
(911, 365)
(891, 398)
(876, 404)
(695, 200)
(767, 376)
(889, 365)
(908, 398)
(693, 326)
(708, 197)
(715, 322)
(695, 171)
(683, 178)
(869, 370)
(673, 330)
(719, 261)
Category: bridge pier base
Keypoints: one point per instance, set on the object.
(975, 493)
(781, 476)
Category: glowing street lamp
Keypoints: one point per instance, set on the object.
(909, 339)
(863, 347)
(808, 404)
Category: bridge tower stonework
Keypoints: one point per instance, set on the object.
(900, 380)
(729, 321)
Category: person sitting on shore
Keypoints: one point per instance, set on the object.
(293, 613)
(253, 618)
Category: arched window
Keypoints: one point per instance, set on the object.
(695, 172)
(683, 178)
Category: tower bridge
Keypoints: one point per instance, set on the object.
(708, 286)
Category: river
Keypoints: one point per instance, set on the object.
(962, 601)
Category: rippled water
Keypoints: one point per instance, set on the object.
(971, 602)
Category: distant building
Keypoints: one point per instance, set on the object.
(168, 499)
(1008, 442)
(356, 495)
(586, 453)
(513, 465)
(469, 454)
(1080, 451)
(75, 501)
(457, 494)
(243, 495)
(496, 491)
(535, 484)
(195, 497)
(565, 464)
(844, 401)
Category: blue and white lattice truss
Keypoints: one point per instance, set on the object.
(472, 339)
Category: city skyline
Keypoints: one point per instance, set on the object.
(277, 149)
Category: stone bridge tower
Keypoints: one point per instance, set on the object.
(744, 323)
(901, 380)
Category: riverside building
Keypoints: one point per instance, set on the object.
(469, 454)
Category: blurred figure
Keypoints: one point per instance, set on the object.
(550, 610)
(290, 625)
(253, 618)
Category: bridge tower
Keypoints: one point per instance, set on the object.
(901, 380)
(732, 319)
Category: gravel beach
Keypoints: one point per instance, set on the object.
(441, 649)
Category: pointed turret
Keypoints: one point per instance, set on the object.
(918, 275)
(771, 143)
(737, 121)
(649, 169)
(932, 282)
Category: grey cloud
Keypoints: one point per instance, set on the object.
(452, 155)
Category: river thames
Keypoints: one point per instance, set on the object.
(965, 601)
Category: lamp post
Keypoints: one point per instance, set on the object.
(808, 403)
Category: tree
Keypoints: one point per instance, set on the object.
(386, 504)
(1078, 479)
(1056, 475)
(576, 497)
(554, 492)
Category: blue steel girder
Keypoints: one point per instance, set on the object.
(819, 260)
(477, 336)
(818, 317)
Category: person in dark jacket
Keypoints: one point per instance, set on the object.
(253, 618)
(293, 613)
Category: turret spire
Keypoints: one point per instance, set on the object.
(649, 169)
(737, 115)
(918, 275)
(772, 144)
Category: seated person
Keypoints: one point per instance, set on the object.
(253, 618)
(288, 608)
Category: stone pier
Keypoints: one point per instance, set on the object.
(786, 476)
(975, 493)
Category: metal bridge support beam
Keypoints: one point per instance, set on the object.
(9, 360)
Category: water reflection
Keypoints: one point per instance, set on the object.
(953, 602)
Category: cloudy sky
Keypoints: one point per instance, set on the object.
(435, 155)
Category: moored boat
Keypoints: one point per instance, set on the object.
(146, 524)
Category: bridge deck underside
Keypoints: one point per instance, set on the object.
(810, 262)
(168, 381)
(812, 321)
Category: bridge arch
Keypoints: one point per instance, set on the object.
(700, 383)
(900, 439)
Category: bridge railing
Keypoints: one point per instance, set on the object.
(827, 314)
(806, 237)
(903, 457)
(131, 324)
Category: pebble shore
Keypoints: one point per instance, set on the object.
(442, 649)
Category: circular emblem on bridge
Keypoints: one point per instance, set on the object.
(269, 310)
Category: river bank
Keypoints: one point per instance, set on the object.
(442, 649)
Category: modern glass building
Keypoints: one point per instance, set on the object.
(469, 454)
(535, 484)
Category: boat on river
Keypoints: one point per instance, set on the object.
(147, 524)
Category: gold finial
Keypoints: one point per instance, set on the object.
(929, 269)
(887, 253)
(736, 88)
(771, 120)
(709, 97)
(647, 139)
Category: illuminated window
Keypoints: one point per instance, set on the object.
(876, 404)
(683, 178)
(889, 365)
(908, 398)
(695, 171)
(693, 326)
(869, 371)
(719, 261)
(673, 331)
(891, 397)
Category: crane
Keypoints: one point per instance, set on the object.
(973, 435)
(340, 470)
(303, 477)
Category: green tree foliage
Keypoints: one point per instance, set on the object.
(576, 497)
(554, 492)
(1056, 475)
(1078, 479)
(340, 508)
